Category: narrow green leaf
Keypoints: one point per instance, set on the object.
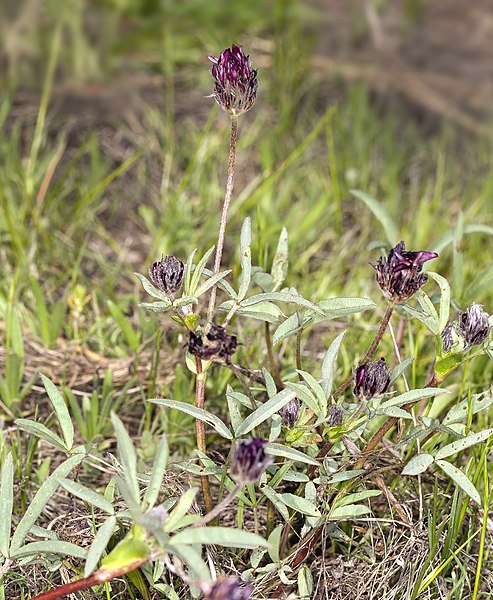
(460, 479)
(287, 328)
(198, 413)
(39, 501)
(413, 396)
(197, 273)
(245, 258)
(49, 547)
(187, 279)
(346, 513)
(158, 470)
(381, 214)
(280, 263)
(263, 311)
(128, 456)
(334, 308)
(6, 503)
(61, 411)
(304, 393)
(180, 510)
(393, 411)
(329, 364)
(444, 298)
(316, 388)
(462, 444)
(266, 410)
(399, 369)
(153, 291)
(301, 505)
(221, 536)
(41, 431)
(428, 321)
(357, 497)
(276, 500)
(99, 544)
(192, 558)
(418, 464)
(88, 495)
(460, 411)
(208, 283)
(274, 540)
(286, 297)
(291, 453)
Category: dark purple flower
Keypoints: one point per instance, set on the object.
(474, 326)
(290, 412)
(399, 274)
(217, 344)
(249, 461)
(167, 274)
(450, 337)
(228, 588)
(235, 82)
(334, 418)
(372, 379)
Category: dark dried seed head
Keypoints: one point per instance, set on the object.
(473, 325)
(290, 412)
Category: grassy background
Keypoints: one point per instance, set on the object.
(112, 155)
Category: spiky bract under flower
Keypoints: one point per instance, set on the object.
(250, 459)
(235, 82)
(372, 379)
(399, 274)
(228, 588)
(167, 274)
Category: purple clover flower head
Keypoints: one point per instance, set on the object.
(372, 379)
(249, 461)
(451, 340)
(474, 325)
(235, 82)
(228, 588)
(167, 274)
(290, 412)
(399, 274)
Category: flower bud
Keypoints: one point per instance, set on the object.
(372, 379)
(399, 275)
(452, 340)
(228, 588)
(249, 461)
(235, 82)
(167, 274)
(290, 412)
(474, 325)
(334, 418)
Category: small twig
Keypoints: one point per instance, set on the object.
(219, 508)
(272, 358)
(224, 215)
(200, 429)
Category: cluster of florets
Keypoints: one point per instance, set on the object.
(399, 274)
(215, 344)
(235, 81)
(167, 274)
(228, 588)
(250, 459)
(290, 412)
(372, 379)
(470, 329)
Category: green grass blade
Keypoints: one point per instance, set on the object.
(61, 411)
(6, 503)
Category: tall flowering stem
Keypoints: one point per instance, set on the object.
(224, 214)
(200, 429)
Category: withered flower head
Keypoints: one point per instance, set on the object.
(399, 274)
(235, 82)
(450, 337)
(249, 461)
(228, 588)
(372, 379)
(290, 412)
(334, 418)
(217, 344)
(167, 274)
(474, 326)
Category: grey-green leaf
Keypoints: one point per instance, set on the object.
(87, 495)
(6, 503)
(351, 511)
(245, 258)
(280, 263)
(266, 410)
(158, 469)
(382, 215)
(418, 464)
(61, 411)
(460, 479)
(462, 444)
(222, 536)
(153, 291)
(290, 453)
(99, 544)
(329, 364)
(39, 501)
(41, 431)
(127, 455)
(301, 505)
(198, 413)
(49, 547)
